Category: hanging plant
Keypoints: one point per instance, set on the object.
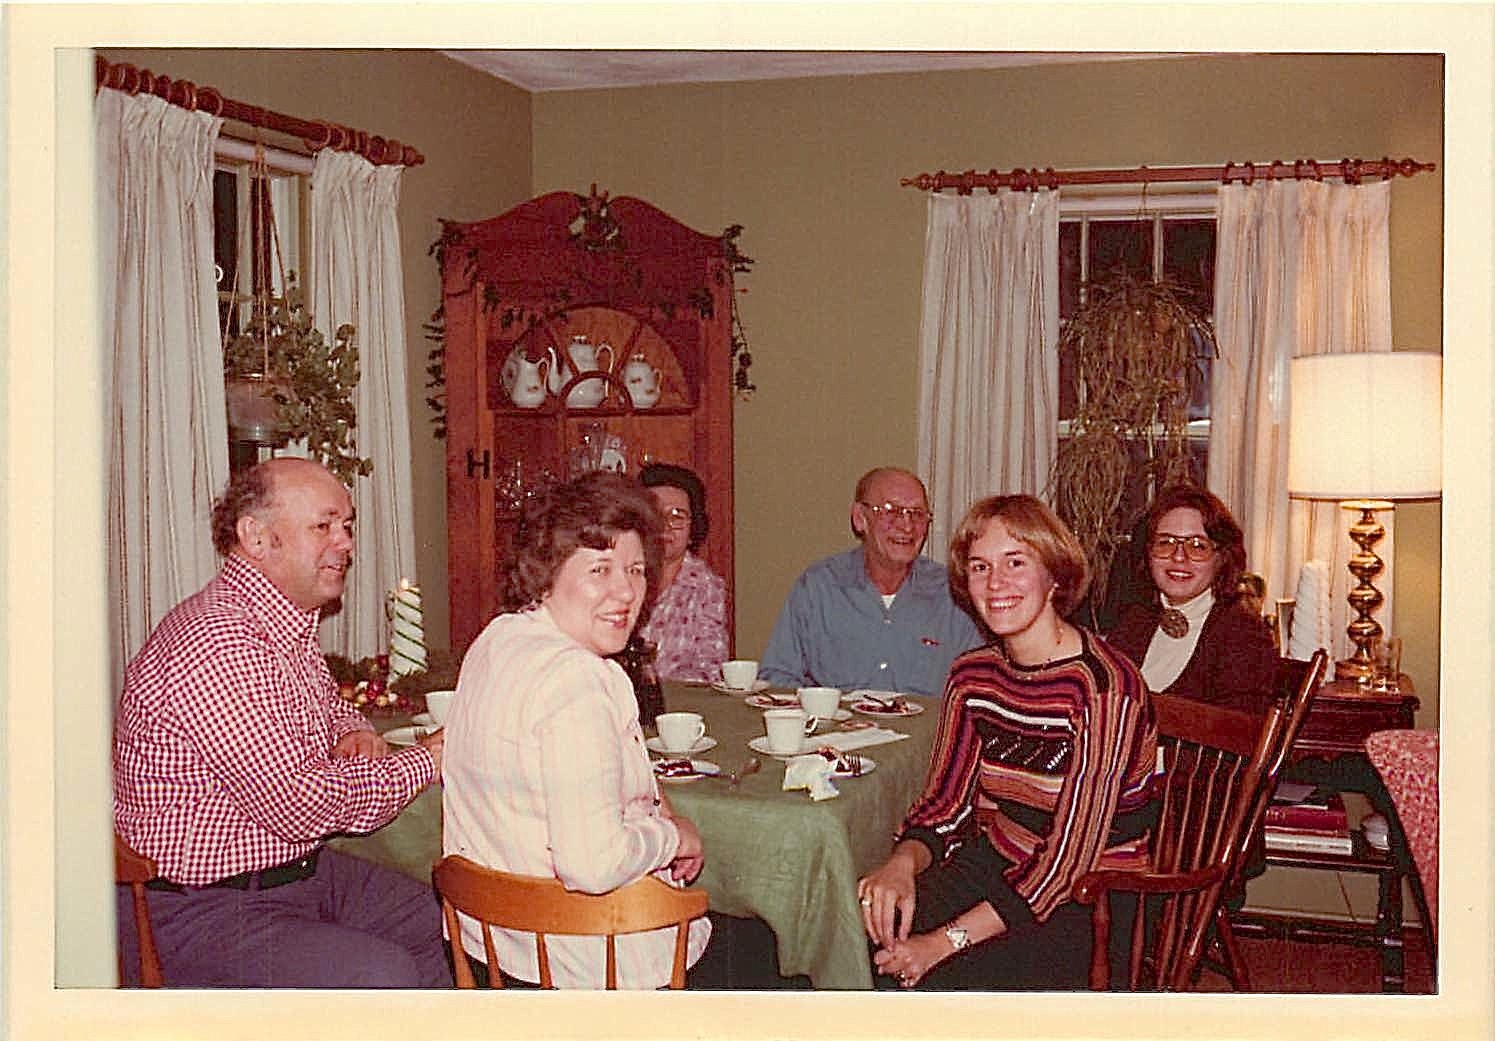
(310, 382)
(1135, 346)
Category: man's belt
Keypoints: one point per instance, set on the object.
(268, 878)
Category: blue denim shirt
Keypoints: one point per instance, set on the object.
(834, 630)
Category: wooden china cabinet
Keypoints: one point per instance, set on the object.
(516, 290)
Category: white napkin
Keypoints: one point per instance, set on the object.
(850, 740)
(812, 772)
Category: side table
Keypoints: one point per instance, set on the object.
(1330, 751)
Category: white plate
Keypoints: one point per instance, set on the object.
(701, 767)
(656, 746)
(400, 736)
(872, 708)
(867, 764)
(721, 688)
(771, 701)
(760, 745)
(422, 719)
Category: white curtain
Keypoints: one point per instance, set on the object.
(988, 359)
(357, 278)
(1302, 267)
(168, 438)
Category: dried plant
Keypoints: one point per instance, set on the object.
(1135, 348)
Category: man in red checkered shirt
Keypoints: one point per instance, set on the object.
(234, 759)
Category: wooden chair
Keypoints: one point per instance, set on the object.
(1296, 683)
(134, 870)
(545, 907)
(1214, 794)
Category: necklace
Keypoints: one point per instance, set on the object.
(1174, 623)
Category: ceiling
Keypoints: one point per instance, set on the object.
(538, 71)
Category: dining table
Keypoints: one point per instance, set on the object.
(776, 855)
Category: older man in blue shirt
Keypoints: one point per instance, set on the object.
(878, 616)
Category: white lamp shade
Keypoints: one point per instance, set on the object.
(1367, 425)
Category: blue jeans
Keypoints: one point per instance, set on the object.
(352, 924)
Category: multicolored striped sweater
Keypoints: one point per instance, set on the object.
(1053, 762)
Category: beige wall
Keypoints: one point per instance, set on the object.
(811, 169)
(474, 132)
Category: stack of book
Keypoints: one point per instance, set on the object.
(1302, 818)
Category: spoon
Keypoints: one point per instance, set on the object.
(750, 766)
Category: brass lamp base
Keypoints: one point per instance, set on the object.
(1364, 631)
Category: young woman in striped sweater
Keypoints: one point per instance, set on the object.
(1040, 772)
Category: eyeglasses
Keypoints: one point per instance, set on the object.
(888, 512)
(676, 517)
(1196, 547)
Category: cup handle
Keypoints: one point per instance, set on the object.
(700, 733)
(811, 723)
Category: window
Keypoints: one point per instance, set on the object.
(251, 252)
(243, 240)
(1152, 237)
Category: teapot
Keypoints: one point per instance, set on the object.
(584, 359)
(642, 381)
(524, 380)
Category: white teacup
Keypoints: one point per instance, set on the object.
(438, 704)
(740, 673)
(787, 729)
(679, 731)
(820, 702)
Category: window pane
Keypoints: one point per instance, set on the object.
(1121, 243)
(226, 240)
(1189, 256)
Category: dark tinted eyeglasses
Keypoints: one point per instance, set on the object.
(1196, 547)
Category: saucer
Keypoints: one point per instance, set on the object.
(874, 708)
(841, 715)
(772, 700)
(721, 688)
(656, 746)
(400, 737)
(760, 745)
(699, 768)
(423, 719)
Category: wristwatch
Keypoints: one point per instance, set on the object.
(958, 937)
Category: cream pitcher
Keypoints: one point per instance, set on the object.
(642, 381)
(524, 380)
(585, 358)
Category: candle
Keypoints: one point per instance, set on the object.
(407, 644)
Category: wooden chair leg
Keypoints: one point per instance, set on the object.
(1230, 952)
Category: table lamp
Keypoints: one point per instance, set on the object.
(1365, 428)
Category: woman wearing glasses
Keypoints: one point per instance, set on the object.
(688, 622)
(1198, 638)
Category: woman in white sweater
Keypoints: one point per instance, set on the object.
(546, 772)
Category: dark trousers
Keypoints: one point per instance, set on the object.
(352, 924)
(1030, 955)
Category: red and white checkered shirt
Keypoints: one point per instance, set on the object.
(223, 739)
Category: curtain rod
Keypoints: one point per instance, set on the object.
(315, 134)
(1351, 171)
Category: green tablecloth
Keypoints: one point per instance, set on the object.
(770, 853)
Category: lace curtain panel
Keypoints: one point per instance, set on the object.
(167, 423)
(988, 357)
(358, 278)
(1302, 267)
